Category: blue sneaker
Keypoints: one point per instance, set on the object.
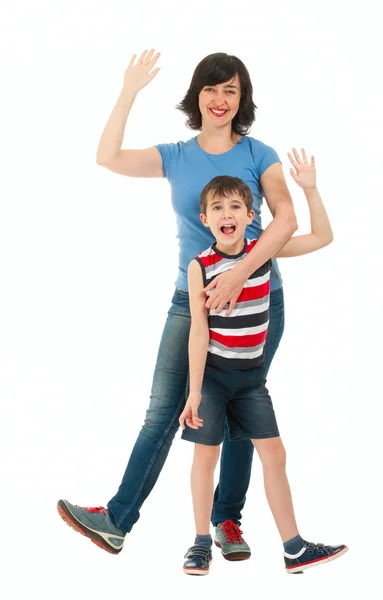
(312, 555)
(94, 523)
(198, 559)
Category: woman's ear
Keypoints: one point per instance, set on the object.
(204, 219)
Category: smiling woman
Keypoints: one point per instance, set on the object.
(218, 104)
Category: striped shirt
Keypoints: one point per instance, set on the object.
(237, 341)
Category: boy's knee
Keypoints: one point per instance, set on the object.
(273, 454)
(206, 456)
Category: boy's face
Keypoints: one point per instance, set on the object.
(227, 218)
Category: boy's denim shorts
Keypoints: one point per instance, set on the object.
(242, 397)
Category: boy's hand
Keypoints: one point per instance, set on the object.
(304, 174)
(190, 412)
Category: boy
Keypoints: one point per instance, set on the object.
(226, 367)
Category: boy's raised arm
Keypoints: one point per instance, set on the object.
(321, 233)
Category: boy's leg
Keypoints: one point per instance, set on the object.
(237, 456)
(154, 441)
(202, 485)
(199, 555)
(298, 553)
(273, 458)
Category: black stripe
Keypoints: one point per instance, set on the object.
(262, 270)
(234, 363)
(218, 322)
(197, 258)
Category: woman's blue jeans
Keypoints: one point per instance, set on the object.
(161, 423)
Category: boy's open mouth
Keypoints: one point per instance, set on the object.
(228, 229)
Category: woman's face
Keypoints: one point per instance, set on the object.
(220, 103)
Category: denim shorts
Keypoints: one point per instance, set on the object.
(241, 396)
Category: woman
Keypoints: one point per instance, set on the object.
(219, 104)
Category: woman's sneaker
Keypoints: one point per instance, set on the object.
(312, 555)
(228, 537)
(198, 559)
(94, 523)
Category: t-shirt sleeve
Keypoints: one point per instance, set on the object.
(169, 154)
(265, 156)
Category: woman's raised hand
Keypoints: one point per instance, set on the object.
(138, 75)
(305, 173)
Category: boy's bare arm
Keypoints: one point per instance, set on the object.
(198, 345)
(199, 331)
(321, 233)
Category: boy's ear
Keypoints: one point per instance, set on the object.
(250, 217)
(204, 219)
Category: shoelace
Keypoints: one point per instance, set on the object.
(232, 532)
(198, 551)
(93, 509)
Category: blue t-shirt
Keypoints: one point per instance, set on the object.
(188, 168)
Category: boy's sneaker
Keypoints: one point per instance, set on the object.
(198, 559)
(95, 523)
(312, 555)
(228, 537)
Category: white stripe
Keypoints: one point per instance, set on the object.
(248, 310)
(301, 551)
(242, 332)
(257, 280)
(220, 268)
(233, 354)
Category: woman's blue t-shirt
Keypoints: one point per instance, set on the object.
(188, 168)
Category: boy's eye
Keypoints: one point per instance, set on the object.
(236, 206)
(216, 207)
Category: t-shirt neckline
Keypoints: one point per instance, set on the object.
(221, 153)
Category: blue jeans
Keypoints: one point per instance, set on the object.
(161, 423)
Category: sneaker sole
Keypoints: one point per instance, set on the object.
(241, 555)
(71, 520)
(197, 571)
(315, 563)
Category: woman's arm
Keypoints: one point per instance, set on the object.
(228, 285)
(198, 345)
(321, 233)
(133, 163)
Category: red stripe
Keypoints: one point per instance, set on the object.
(239, 341)
(251, 246)
(255, 292)
(209, 260)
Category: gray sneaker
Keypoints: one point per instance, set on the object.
(228, 537)
(95, 523)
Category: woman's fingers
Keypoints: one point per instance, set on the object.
(297, 157)
(304, 156)
(293, 162)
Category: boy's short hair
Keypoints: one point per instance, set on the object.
(224, 185)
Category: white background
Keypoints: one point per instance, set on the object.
(78, 276)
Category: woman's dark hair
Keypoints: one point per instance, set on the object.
(224, 185)
(214, 69)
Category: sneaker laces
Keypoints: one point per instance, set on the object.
(93, 509)
(232, 532)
